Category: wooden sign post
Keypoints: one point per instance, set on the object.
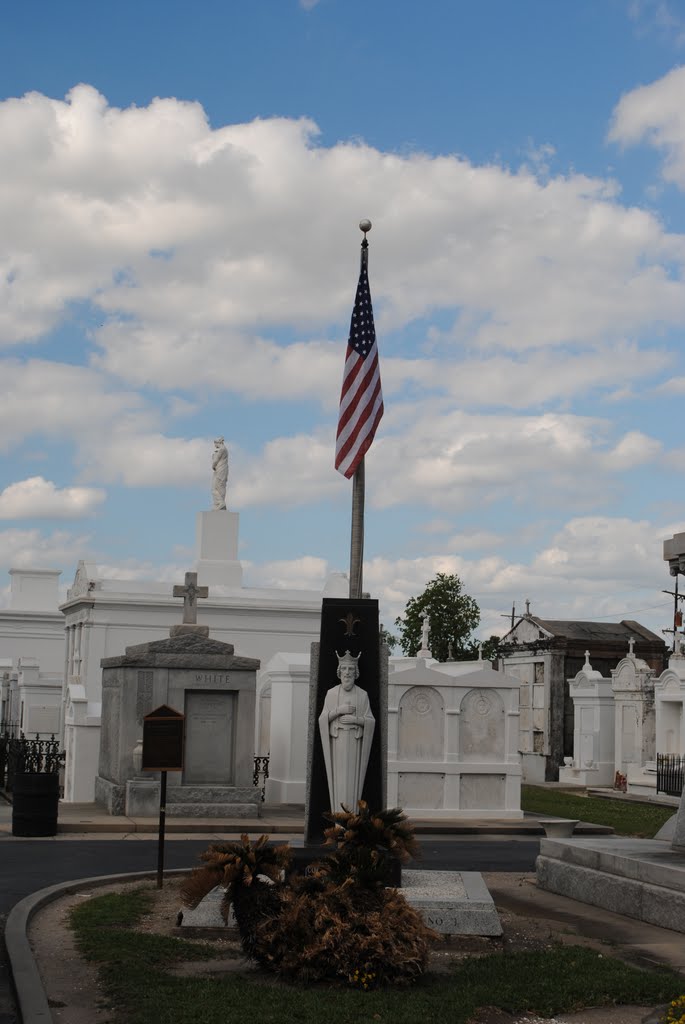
(163, 742)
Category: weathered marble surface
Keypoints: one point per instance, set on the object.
(452, 902)
(207, 913)
(219, 474)
(185, 651)
(640, 878)
(216, 691)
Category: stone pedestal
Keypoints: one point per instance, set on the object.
(142, 798)
(217, 549)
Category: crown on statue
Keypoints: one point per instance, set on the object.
(348, 659)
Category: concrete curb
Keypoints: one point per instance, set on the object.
(28, 985)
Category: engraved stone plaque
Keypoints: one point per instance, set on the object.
(421, 726)
(210, 738)
(481, 726)
(481, 792)
(421, 789)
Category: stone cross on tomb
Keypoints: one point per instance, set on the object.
(631, 645)
(190, 593)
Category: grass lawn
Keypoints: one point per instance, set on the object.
(627, 817)
(134, 968)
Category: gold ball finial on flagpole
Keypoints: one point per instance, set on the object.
(365, 225)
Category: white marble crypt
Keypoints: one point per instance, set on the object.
(453, 734)
(593, 762)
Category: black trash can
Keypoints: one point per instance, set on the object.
(35, 797)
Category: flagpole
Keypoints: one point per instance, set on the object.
(358, 480)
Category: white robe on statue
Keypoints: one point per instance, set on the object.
(346, 745)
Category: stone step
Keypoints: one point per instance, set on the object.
(212, 795)
(213, 810)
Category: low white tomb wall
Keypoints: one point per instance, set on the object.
(453, 743)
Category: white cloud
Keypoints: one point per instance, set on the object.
(165, 358)
(289, 471)
(198, 244)
(476, 540)
(532, 379)
(655, 114)
(673, 386)
(594, 567)
(597, 547)
(115, 432)
(57, 400)
(659, 16)
(306, 573)
(37, 498)
(147, 459)
(429, 452)
(635, 449)
(30, 548)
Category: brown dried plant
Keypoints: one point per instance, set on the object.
(341, 923)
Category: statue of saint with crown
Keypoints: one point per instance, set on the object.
(346, 726)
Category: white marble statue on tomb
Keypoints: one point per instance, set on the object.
(219, 474)
(346, 726)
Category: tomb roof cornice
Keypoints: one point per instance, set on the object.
(186, 651)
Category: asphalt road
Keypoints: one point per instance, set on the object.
(30, 864)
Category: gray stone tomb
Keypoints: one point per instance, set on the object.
(215, 689)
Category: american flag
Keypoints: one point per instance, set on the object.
(361, 398)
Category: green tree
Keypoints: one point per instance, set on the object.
(491, 648)
(387, 638)
(453, 617)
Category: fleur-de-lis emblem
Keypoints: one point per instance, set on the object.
(350, 621)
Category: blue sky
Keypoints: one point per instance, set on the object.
(180, 188)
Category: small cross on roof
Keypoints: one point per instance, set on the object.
(190, 592)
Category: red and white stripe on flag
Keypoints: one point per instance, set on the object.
(361, 398)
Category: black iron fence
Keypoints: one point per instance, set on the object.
(261, 772)
(19, 754)
(670, 774)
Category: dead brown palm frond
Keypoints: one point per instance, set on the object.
(389, 829)
(235, 863)
(333, 924)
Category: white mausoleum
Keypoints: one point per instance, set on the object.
(32, 653)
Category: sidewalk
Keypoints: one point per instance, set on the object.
(276, 819)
